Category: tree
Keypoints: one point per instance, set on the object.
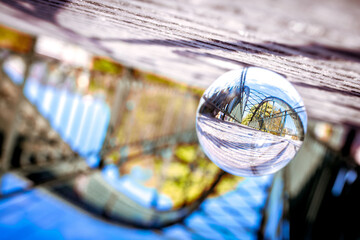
(266, 118)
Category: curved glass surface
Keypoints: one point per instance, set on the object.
(251, 122)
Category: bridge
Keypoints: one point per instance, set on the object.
(194, 43)
(243, 150)
(89, 150)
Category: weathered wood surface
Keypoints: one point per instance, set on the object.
(316, 44)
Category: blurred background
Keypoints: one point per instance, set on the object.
(95, 148)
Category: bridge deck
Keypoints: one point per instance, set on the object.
(242, 150)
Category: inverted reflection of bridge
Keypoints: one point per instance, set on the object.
(247, 151)
(60, 174)
(100, 197)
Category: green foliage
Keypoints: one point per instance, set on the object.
(267, 114)
(227, 183)
(114, 156)
(156, 79)
(157, 113)
(264, 111)
(182, 181)
(106, 65)
(186, 153)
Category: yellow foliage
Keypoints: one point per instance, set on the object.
(15, 40)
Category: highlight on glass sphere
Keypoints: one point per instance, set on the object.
(251, 122)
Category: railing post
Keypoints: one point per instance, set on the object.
(11, 133)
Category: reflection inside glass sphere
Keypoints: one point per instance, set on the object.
(251, 122)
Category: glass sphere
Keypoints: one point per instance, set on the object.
(251, 122)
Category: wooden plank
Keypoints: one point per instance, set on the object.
(316, 44)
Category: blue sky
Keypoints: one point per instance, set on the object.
(263, 80)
